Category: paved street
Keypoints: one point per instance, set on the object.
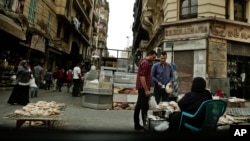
(76, 116)
(91, 123)
(80, 123)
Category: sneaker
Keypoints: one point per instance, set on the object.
(139, 127)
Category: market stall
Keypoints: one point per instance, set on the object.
(124, 91)
(97, 89)
(7, 74)
(46, 112)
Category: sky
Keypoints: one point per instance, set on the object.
(121, 19)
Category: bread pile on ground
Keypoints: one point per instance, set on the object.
(40, 108)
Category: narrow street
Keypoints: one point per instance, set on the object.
(79, 123)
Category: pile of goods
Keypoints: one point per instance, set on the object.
(234, 116)
(40, 109)
(123, 106)
(121, 90)
(167, 105)
(235, 102)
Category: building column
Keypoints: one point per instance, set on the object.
(248, 11)
(231, 9)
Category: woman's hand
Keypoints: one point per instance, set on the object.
(175, 105)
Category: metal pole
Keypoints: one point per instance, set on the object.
(172, 54)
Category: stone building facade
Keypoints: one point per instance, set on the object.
(52, 32)
(203, 38)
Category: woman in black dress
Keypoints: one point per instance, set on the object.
(20, 93)
(190, 103)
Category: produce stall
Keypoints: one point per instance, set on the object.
(46, 112)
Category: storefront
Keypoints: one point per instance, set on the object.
(213, 48)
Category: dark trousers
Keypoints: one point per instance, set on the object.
(69, 83)
(48, 84)
(76, 87)
(60, 83)
(141, 106)
(160, 94)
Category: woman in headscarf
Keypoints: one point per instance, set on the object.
(20, 93)
(190, 103)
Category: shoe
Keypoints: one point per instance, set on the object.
(139, 127)
(11, 103)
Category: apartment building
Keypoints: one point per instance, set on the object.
(100, 33)
(202, 37)
(52, 32)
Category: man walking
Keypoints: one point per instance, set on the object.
(76, 80)
(38, 75)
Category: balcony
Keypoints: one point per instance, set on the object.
(84, 13)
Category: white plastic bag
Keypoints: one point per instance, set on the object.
(162, 127)
(169, 88)
(152, 103)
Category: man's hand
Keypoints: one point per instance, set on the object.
(148, 93)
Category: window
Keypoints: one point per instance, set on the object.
(240, 10)
(188, 9)
(32, 11)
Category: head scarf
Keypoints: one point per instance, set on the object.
(199, 85)
(21, 66)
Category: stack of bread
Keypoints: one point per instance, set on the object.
(40, 108)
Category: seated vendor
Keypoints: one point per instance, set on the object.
(190, 102)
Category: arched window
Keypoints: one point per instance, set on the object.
(240, 10)
(189, 9)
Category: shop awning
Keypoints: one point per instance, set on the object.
(9, 26)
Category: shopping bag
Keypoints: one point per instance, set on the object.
(152, 103)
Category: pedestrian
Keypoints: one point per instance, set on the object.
(20, 92)
(143, 83)
(55, 78)
(190, 103)
(162, 75)
(69, 78)
(33, 86)
(60, 75)
(48, 79)
(76, 80)
(38, 75)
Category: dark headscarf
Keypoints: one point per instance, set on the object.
(199, 85)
